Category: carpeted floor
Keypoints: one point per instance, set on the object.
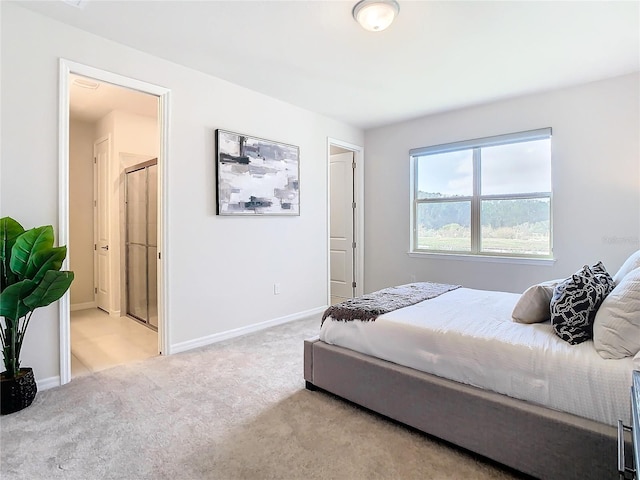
(234, 410)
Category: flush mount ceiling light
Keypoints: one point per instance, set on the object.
(86, 83)
(375, 15)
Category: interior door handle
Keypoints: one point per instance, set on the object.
(106, 247)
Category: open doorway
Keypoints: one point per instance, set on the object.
(111, 223)
(346, 221)
(114, 127)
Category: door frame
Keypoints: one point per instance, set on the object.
(67, 67)
(358, 234)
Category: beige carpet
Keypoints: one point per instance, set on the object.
(234, 410)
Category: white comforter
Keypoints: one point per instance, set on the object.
(468, 336)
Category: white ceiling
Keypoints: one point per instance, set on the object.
(436, 56)
(90, 105)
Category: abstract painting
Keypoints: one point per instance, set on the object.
(256, 176)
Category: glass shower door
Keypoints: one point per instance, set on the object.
(141, 242)
(152, 245)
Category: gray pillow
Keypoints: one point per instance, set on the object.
(534, 304)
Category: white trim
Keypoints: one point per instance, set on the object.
(526, 136)
(164, 117)
(237, 332)
(483, 258)
(83, 306)
(47, 383)
(66, 67)
(63, 220)
(413, 182)
(358, 235)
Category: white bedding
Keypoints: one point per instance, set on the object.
(468, 336)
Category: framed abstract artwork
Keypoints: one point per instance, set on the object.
(256, 176)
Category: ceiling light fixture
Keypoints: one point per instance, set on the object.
(86, 83)
(375, 15)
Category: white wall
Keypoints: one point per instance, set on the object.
(596, 184)
(81, 137)
(221, 269)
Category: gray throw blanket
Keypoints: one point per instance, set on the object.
(368, 307)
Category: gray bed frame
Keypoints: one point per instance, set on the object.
(540, 442)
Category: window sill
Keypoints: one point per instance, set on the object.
(483, 258)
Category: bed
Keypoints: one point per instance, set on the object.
(550, 411)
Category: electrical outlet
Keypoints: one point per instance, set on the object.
(276, 289)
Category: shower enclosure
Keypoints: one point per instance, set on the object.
(141, 247)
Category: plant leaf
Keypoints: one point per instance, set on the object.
(52, 286)
(10, 230)
(47, 260)
(27, 245)
(12, 305)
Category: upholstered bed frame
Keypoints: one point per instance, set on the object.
(544, 443)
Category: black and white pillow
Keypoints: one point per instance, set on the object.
(576, 300)
(603, 276)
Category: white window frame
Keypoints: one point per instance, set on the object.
(476, 198)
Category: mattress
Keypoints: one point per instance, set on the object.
(468, 336)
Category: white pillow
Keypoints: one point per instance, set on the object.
(630, 263)
(616, 328)
(534, 304)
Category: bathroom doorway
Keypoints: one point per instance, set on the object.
(111, 125)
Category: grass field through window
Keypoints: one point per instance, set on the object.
(519, 240)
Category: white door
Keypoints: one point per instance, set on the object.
(341, 250)
(102, 276)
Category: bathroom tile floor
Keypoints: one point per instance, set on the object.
(99, 341)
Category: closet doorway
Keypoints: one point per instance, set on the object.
(346, 220)
(141, 242)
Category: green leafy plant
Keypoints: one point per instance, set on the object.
(30, 278)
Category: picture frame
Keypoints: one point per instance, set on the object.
(256, 176)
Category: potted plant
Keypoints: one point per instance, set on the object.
(30, 277)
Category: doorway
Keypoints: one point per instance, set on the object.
(124, 200)
(346, 221)
(118, 148)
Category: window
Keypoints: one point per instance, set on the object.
(490, 196)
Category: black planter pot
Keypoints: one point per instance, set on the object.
(17, 393)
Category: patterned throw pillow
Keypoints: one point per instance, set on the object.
(603, 276)
(575, 302)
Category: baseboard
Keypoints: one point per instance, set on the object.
(237, 332)
(83, 306)
(47, 383)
